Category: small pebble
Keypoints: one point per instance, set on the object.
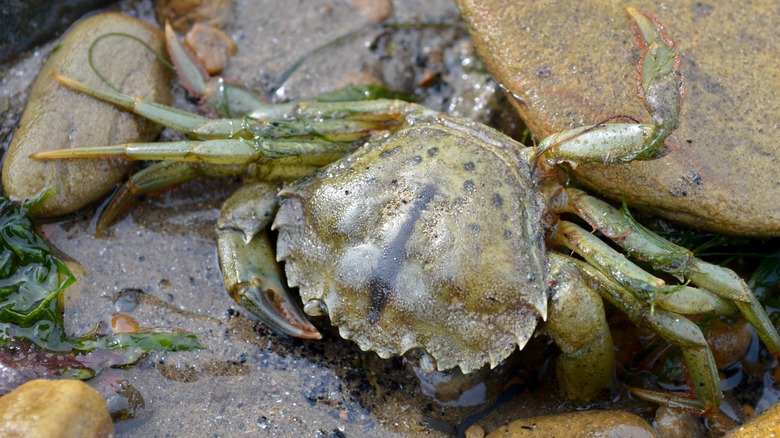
(126, 403)
(475, 431)
(212, 46)
(428, 79)
(676, 423)
(183, 14)
(375, 11)
(729, 341)
(123, 323)
(719, 423)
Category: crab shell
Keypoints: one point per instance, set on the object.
(429, 238)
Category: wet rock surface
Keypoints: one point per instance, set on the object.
(572, 67)
(578, 424)
(54, 408)
(56, 117)
(766, 425)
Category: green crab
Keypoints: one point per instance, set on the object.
(429, 234)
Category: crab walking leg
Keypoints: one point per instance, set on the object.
(252, 274)
(678, 330)
(166, 174)
(677, 298)
(616, 265)
(660, 87)
(217, 158)
(226, 99)
(332, 121)
(661, 82)
(156, 177)
(221, 96)
(608, 143)
(577, 324)
(215, 152)
(642, 244)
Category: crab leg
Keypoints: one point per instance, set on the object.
(661, 82)
(215, 152)
(165, 174)
(301, 129)
(577, 324)
(663, 255)
(680, 299)
(599, 254)
(332, 121)
(232, 101)
(252, 275)
(291, 140)
(660, 87)
(682, 332)
(153, 178)
(226, 99)
(196, 159)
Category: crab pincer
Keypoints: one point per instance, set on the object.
(252, 275)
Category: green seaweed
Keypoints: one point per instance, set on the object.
(32, 282)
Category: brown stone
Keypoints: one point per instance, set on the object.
(183, 14)
(375, 11)
(578, 424)
(212, 46)
(54, 408)
(767, 424)
(56, 117)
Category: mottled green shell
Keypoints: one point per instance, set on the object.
(428, 238)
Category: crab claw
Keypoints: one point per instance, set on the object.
(252, 275)
(252, 278)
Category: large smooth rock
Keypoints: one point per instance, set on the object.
(576, 65)
(56, 117)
